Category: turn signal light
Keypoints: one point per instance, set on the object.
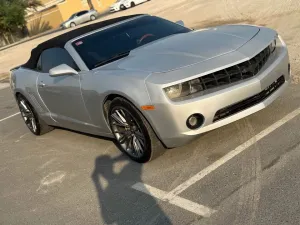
(148, 107)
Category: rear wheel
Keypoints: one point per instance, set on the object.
(30, 117)
(122, 7)
(93, 17)
(132, 4)
(134, 135)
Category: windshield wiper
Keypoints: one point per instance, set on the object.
(113, 58)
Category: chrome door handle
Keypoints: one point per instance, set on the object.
(41, 84)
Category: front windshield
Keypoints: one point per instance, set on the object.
(73, 16)
(103, 45)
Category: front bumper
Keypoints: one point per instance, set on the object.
(169, 120)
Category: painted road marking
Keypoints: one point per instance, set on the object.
(188, 205)
(4, 85)
(172, 196)
(182, 187)
(9, 116)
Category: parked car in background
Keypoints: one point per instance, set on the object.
(125, 4)
(80, 17)
(148, 82)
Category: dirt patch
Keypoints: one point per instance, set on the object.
(220, 22)
(4, 77)
(295, 79)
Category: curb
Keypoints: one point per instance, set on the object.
(30, 39)
(44, 34)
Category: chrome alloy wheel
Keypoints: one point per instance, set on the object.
(28, 115)
(127, 132)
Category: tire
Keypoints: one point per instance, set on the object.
(132, 4)
(134, 137)
(72, 24)
(33, 122)
(93, 17)
(122, 7)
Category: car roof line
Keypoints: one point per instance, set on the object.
(104, 28)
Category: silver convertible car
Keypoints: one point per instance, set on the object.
(148, 82)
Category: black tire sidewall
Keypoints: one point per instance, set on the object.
(72, 24)
(122, 103)
(38, 126)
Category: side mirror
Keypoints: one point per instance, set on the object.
(61, 70)
(180, 22)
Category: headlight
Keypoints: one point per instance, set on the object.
(184, 89)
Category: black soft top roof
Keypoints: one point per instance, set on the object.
(62, 39)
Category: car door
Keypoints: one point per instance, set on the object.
(86, 16)
(82, 16)
(78, 19)
(62, 94)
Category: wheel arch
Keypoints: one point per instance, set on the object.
(19, 93)
(27, 98)
(108, 99)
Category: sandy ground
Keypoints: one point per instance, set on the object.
(282, 15)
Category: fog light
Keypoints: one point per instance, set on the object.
(195, 121)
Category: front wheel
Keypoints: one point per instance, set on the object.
(73, 25)
(134, 135)
(132, 4)
(30, 117)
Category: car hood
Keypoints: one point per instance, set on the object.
(181, 50)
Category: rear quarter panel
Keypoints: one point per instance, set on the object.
(25, 83)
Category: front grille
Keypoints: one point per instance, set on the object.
(249, 102)
(236, 73)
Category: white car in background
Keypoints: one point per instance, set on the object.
(80, 17)
(125, 4)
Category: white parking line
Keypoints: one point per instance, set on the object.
(188, 205)
(232, 154)
(172, 196)
(4, 85)
(10, 116)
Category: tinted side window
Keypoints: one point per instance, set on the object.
(81, 13)
(53, 57)
(39, 64)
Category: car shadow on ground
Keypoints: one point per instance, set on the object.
(119, 204)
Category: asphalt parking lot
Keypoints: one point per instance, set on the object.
(244, 173)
